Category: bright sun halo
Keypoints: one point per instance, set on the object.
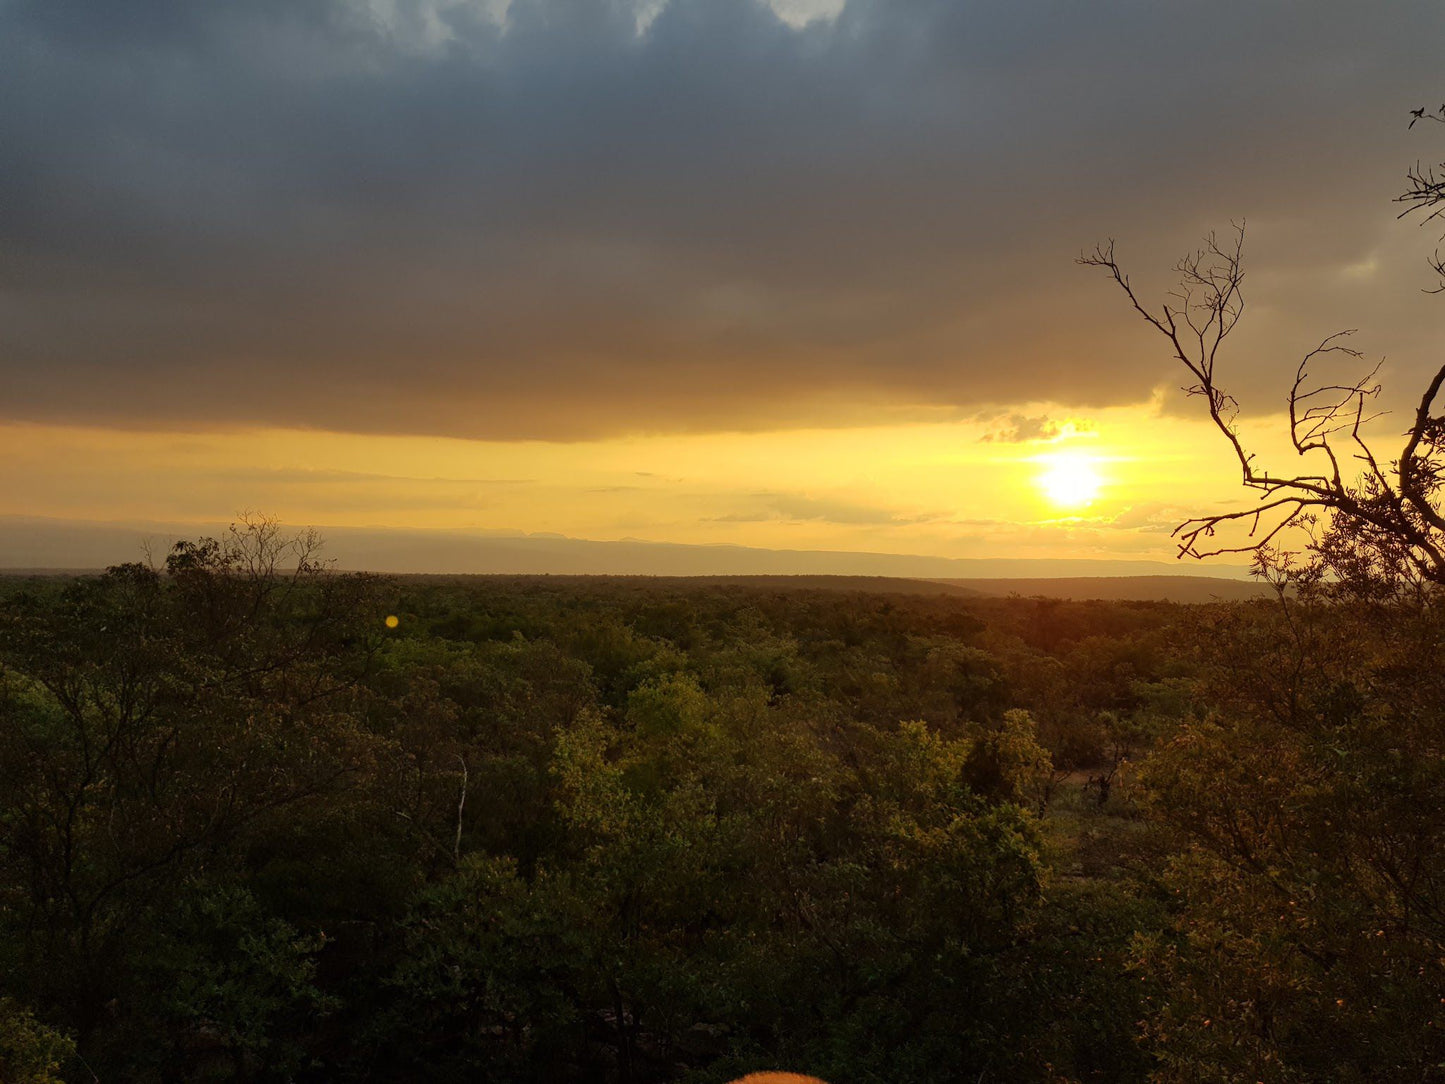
(1069, 481)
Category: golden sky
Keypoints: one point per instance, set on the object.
(1108, 485)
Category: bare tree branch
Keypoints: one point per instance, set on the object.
(1387, 517)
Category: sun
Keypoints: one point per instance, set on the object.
(1069, 480)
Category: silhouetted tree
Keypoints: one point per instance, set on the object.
(1425, 189)
(1378, 521)
(148, 723)
(1303, 804)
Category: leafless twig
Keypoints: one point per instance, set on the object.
(1391, 511)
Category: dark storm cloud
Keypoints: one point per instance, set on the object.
(411, 218)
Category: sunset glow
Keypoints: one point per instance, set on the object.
(940, 489)
(1070, 481)
(452, 280)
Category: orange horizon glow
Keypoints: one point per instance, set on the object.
(1111, 488)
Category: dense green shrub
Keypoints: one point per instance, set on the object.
(550, 831)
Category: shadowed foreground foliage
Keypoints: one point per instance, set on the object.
(613, 831)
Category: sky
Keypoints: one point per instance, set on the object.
(795, 274)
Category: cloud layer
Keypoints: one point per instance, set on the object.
(563, 219)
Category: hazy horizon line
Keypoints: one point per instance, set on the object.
(33, 543)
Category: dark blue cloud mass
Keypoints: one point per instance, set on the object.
(566, 218)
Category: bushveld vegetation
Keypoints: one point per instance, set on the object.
(614, 831)
(543, 833)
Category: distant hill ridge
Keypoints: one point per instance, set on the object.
(1184, 589)
(38, 543)
(1135, 588)
(1187, 589)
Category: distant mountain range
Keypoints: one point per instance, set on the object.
(34, 543)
